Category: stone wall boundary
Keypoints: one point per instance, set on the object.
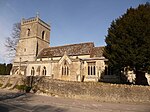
(103, 92)
(98, 91)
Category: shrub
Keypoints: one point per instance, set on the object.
(27, 89)
(1, 85)
(24, 88)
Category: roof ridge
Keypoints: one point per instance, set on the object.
(72, 44)
(98, 46)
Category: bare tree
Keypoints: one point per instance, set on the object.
(11, 42)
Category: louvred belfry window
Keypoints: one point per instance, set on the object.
(28, 32)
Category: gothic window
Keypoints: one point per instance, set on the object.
(62, 70)
(91, 68)
(44, 71)
(28, 32)
(32, 71)
(65, 68)
(43, 35)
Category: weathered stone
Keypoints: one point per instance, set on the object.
(97, 91)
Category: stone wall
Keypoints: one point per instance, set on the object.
(12, 80)
(96, 91)
(103, 92)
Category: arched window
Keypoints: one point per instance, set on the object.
(43, 35)
(62, 71)
(44, 71)
(94, 70)
(32, 71)
(65, 68)
(91, 68)
(28, 32)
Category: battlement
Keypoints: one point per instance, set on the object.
(34, 19)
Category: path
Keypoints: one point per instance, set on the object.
(38, 103)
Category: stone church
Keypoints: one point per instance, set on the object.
(72, 62)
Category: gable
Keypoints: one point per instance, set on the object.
(65, 57)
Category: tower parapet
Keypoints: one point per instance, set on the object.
(34, 19)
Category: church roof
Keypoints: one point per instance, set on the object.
(97, 52)
(71, 50)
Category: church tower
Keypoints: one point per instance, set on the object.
(34, 36)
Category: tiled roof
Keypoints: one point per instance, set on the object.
(97, 52)
(71, 50)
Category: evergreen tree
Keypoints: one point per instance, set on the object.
(128, 40)
(2, 69)
(8, 69)
(5, 69)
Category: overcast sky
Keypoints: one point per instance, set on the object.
(72, 21)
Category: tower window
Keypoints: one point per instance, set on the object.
(43, 35)
(37, 47)
(28, 32)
